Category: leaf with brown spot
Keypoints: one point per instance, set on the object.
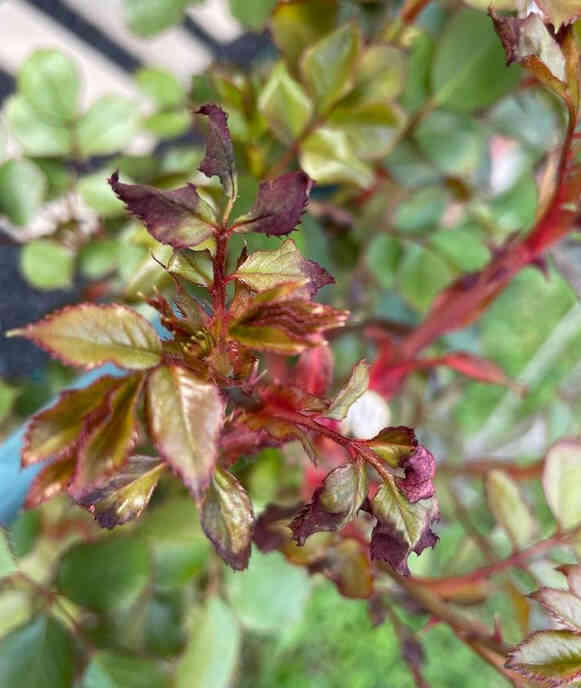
(89, 335)
(126, 494)
(228, 520)
(185, 416)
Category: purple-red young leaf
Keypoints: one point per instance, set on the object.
(279, 205)
(219, 158)
(178, 218)
(272, 529)
(228, 520)
(52, 480)
(420, 469)
(185, 416)
(89, 335)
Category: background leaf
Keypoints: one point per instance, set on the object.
(22, 190)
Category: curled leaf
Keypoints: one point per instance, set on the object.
(228, 520)
(334, 504)
(356, 386)
(279, 205)
(420, 469)
(219, 158)
(126, 494)
(89, 335)
(179, 218)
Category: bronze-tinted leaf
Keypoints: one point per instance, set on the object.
(551, 657)
(279, 205)
(179, 218)
(402, 527)
(110, 441)
(219, 158)
(272, 528)
(334, 504)
(58, 429)
(126, 494)
(185, 416)
(228, 520)
(51, 481)
(355, 387)
(266, 269)
(348, 566)
(394, 445)
(89, 335)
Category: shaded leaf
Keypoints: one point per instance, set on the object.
(194, 266)
(56, 430)
(561, 480)
(22, 190)
(212, 652)
(562, 605)
(89, 335)
(105, 575)
(38, 654)
(468, 69)
(381, 75)
(284, 105)
(509, 508)
(124, 497)
(328, 66)
(109, 669)
(347, 565)
(109, 442)
(178, 218)
(219, 158)
(270, 595)
(553, 657)
(266, 269)
(279, 205)
(185, 416)
(355, 387)
(253, 13)
(334, 504)
(272, 529)
(394, 445)
(52, 480)
(50, 83)
(7, 561)
(402, 527)
(227, 519)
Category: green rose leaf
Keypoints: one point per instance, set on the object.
(228, 520)
(35, 133)
(146, 18)
(563, 606)
(50, 83)
(185, 416)
(509, 508)
(285, 105)
(39, 653)
(328, 66)
(161, 86)
(47, 264)
(355, 387)
(7, 561)
(22, 190)
(89, 335)
(561, 480)
(109, 669)
(107, 126)
(211, 656)
(52, 480)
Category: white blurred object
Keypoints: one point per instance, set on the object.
(367, 416)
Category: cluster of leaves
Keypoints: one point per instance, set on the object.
(253, 394)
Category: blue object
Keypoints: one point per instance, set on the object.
(15, 481)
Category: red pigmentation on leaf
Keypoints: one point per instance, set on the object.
(420, 469)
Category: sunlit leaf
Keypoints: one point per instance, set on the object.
(161, 86)
(146, 18)
(185, 416)
(178, 218)
(37, 654)
(47, 264)
(564, 606)
(553, 657)
(107, 126)
(509, 509)
(52, 480)
(35, 133)
(89, 335)
(356, 386)
(211, 656)
(227, 519)
(561, 481)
